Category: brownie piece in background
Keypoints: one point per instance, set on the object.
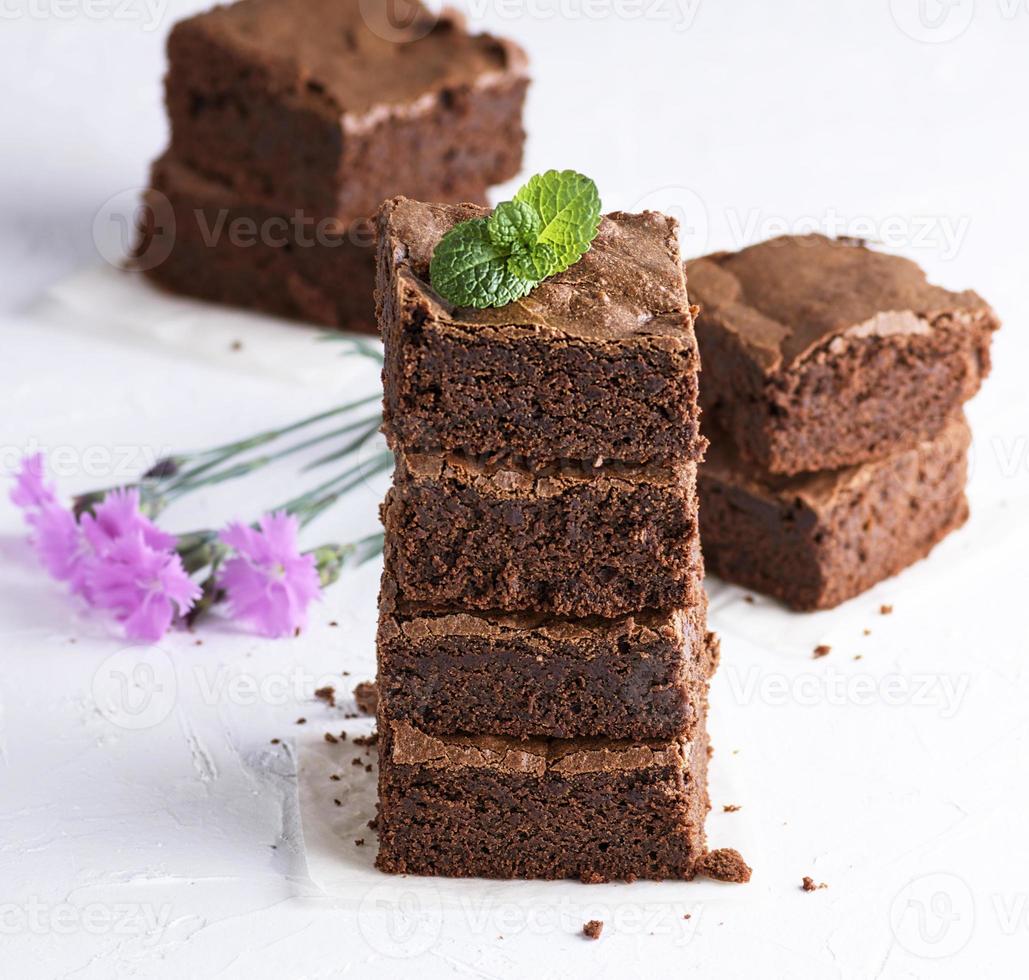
(528, 675)
(572, 540)
(598, 363)
(331, 106)
(322, 272)
(489, 807)
(817, 539)
(822, 353)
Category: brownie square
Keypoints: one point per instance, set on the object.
(202, 239)
(489, 807)
(817, 539)
(571, 540)
(598, 363)
(822, 353)
(331, 106)
(527, 675)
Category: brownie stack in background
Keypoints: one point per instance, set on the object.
(834, 380)
(292, 120)
(543, 653)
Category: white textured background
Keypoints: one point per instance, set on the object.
(148, 827)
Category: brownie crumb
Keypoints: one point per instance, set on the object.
(365, 740)
(821, 650)
(275, 741)
(373, 824)
(335, 777)
(885, 610)
(368, 768)
(356, 762)
(329, 737)
(338, 802)
(301, 721)
(730, 808)
(333, 623)
(592, 878)
(236, 345)
(808, 884)
(866, 632)
(326, 694)
(359, 842)
(724, 864)
(366, 694)
(592, 929)
(196, 643)
(342, 736)
(749, 598)
(858, 656)
(688, 915)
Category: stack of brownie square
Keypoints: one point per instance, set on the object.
(834, 380)
(292, 120)
(543, 651)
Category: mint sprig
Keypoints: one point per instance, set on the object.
(494, 261)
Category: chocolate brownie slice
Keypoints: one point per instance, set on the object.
(818, 539)
(489, 807)
(331, 106)
(597, 363)
(201, 238)
(822, 353)
(570, 540)
(528, 675)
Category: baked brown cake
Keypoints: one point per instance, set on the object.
(529, 675)
(815, 540)
(822, 353)
(570, 540)
(331, 106)
(226, 250)
(594, 809)
(597, 363)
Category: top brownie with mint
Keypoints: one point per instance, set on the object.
(598, 362)
(821, 353)
(331, 106)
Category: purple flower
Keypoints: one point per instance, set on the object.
(119, 517)
(269, 584)
(140, 584)
(30, 490)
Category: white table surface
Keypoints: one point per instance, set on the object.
(149, 826)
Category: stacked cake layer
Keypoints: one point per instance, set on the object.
(292, 120)
(543, 650)
(834, 379)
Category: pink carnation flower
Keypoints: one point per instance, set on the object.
(140, 585)
(269, 584)
(30, 489)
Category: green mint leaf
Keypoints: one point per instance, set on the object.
(468, 269)
(535, 263)
(568, 205)
(513, 224)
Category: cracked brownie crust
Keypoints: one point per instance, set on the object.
(822, 353)
(599, 361)
(569, 541)
(815, 540)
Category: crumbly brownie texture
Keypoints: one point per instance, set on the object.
(488, 807)
(221, 249)
(822, 353)
(332, 106)
(598, 361)
(571, 540)
(528, 676)
(815, 540)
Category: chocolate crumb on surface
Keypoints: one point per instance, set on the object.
(329, 737)
(356, 762)
(885, 609)
(301, 721)
(327, 694)
(821, 650)
(236, 345)
(749, 598)
(592, 929)
(338, 802)
(275, 741)
(730, 808)
(366, 694)
(364, 740)
(808, 884)
(335, 777)
(866, 632)
(359, 842)
(333, 623)
(724, 864)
